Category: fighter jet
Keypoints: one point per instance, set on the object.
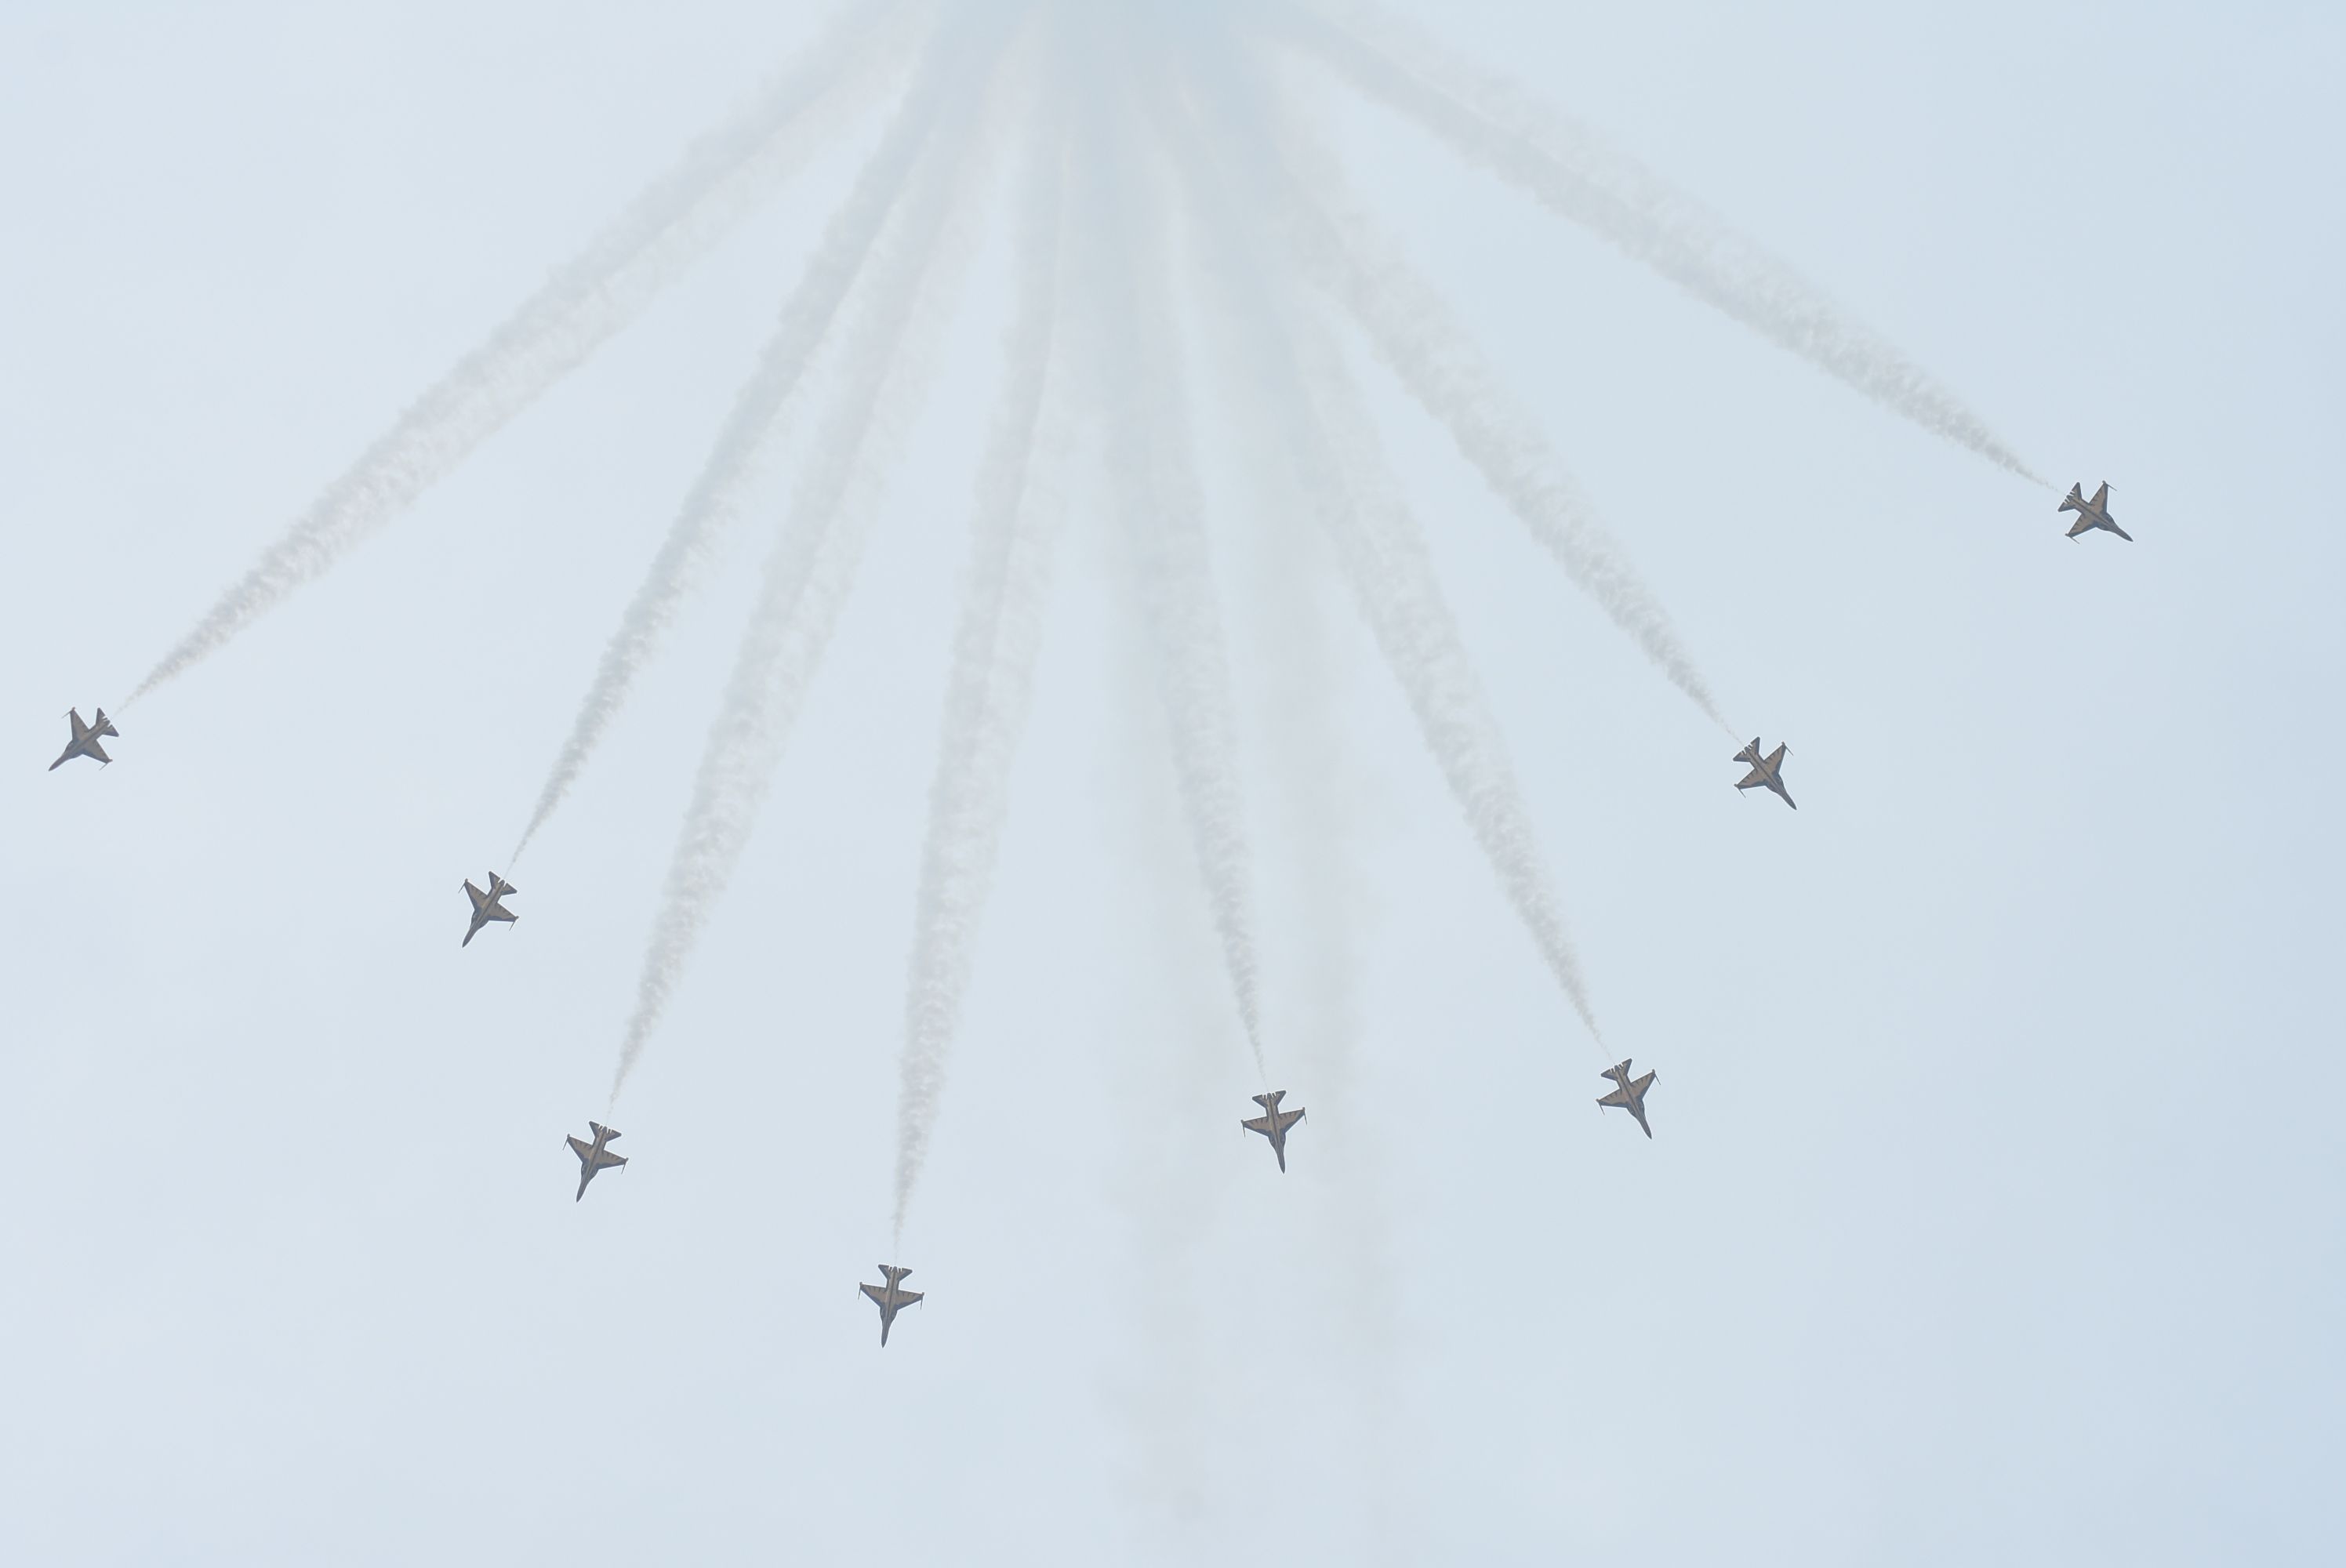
(85, 739)
(1631, 1096)
(1273, 1123)
(593, 1157)
(2093, 513)
(486, 907)
(1766, 771)
(890, 1298)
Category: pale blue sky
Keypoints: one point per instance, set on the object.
(1994, 1211)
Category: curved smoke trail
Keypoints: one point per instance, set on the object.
(1150, 469)
(1499, 124)
(1385, 556)
(753, 428)
(883, 371)
(661, 233)
(1297, 381)
(985, 703)
(1415, 335)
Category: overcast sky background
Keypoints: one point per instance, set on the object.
(1994, 1211)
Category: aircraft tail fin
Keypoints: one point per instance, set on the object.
(2076, 501)
(104, 725)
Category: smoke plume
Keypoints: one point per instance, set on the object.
(661, 233)
(985, 702)
(1415, 335)
(1151, 471)
(1299, 384)
(1497, 124)
(753, 428)
(883, 374)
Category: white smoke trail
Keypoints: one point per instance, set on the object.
(1387, 560)
(1499, 124)
(884, 371)
(1297, 385)
(1150, 469)
(752, 430)
(1314, 782)
(986, 700)
(1414, 333)
(665, 230)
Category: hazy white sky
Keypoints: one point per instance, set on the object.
(1995, 1206)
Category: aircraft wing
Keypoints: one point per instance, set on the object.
(879, 1294)
(1257, 1125)
(476, 894)
(1776, 758)
(1289, 1118)
(95, 749)
(1618, 1097)
(80, 729)
(2101, 500)
(1753, 779)
(607, 1159)
(906, 1297)
(581, 1147)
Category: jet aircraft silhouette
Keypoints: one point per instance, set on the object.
(595, 1156)
(1273, 1123)
(1631, 1094)
(2093, 513)
(890, 1298)
(85, 739)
